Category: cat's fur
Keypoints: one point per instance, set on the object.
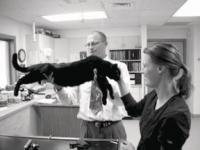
(70, 74)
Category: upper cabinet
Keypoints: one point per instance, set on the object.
(61, 50)
(41, 50)
(124, 42)
(47, 49)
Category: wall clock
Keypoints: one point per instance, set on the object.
(21, 55)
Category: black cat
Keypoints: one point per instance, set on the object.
(70, 74)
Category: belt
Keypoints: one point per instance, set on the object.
(103, 124)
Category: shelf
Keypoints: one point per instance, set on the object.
(132, 58)
(126, 54)
(129, 60)
(133, 72)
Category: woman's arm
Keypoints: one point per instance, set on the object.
(124, 81)
(132, 107)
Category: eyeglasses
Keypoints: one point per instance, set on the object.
(93, 43)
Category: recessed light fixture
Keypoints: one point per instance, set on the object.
(76, 16)
(189, 9)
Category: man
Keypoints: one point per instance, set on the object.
(105, 121)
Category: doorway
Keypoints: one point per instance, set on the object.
(4, 64)
(7, 48)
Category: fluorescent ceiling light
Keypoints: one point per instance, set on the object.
(77, 16)
(190, 9)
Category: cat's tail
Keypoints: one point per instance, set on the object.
(16, 65)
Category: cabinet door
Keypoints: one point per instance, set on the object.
(46, 48)
(62, 51)
(76, 45)
(32, 51)
(41, 50)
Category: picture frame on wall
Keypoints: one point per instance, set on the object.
(83, 54)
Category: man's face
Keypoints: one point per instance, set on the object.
(96, 45)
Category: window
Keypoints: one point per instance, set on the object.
(4, 64)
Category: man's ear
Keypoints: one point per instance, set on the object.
(106, 43)
(161, 69)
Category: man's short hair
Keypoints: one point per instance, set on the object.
(103, 36)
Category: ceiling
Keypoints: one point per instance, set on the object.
(121, 13)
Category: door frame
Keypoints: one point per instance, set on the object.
(11, 49)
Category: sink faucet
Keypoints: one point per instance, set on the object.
(31, 146)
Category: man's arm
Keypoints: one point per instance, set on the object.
(67, 95)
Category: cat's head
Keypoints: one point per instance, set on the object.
(105, 68)
(113, 72)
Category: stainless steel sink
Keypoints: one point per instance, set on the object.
(56, 143)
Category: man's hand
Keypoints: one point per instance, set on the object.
(50, 79)
(57, 87)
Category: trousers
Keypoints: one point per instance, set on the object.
(103, 130)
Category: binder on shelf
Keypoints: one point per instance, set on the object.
(132, 58)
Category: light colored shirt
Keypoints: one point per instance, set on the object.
(114, 109)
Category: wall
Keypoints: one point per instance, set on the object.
(129, 31)
(193, 62)
(167, 33)
(18, 30)
(75, 40)
(13, 28)
(117, 38)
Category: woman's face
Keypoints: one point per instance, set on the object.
(152, 76)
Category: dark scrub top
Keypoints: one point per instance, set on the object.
(167, 127)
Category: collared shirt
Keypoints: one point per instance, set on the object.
(112, 111)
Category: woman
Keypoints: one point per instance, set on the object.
(165, 117)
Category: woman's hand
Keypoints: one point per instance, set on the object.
(122, 85)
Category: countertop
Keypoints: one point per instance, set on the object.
(39, 100)
(14, 107)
